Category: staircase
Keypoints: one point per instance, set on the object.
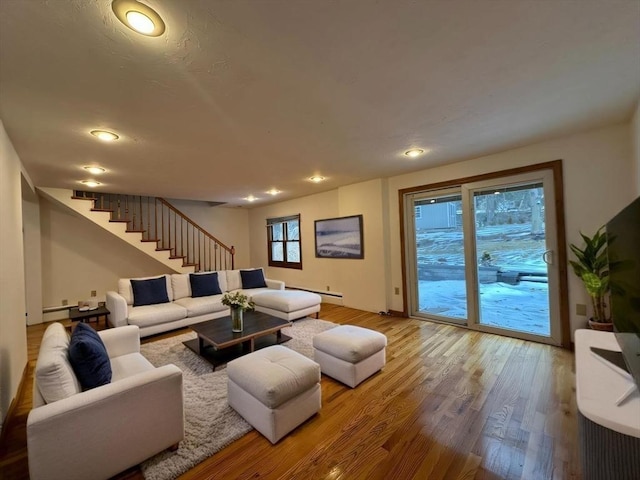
(152, 225)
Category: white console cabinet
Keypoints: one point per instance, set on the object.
(609, 433)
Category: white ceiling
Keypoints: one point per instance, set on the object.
(238, 97)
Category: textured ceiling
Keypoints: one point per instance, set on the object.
(238, 97)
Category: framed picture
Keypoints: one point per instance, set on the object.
(339, 237)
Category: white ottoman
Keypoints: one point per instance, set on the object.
(350, 354)
(274, 389)
(287, 304)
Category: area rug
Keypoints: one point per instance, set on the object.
(210, 424)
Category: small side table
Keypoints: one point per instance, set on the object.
(86, 316)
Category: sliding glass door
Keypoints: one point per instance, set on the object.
(483, 255)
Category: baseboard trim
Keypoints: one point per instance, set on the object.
(319, 292)
(11, 411)
(397, 313)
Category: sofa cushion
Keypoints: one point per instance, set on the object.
(149, 315)
(149, 292)
(125, 289)
(180, 285)
(252, 278)
(234, 282)
(88, 357)
(127, 365)
(201, 305)
(54, 375)
(204, 285)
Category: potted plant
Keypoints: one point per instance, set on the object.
(592, 266)
(237, 303)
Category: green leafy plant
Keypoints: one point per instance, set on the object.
(237, 300)
(592, 267)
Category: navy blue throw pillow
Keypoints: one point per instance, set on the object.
(204, 284)
(252, 278)
(88, 357)
(149, 292)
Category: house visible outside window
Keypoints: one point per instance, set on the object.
(418, 213)
(283, 242)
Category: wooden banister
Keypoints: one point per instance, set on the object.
(171, 207)
(193, 244)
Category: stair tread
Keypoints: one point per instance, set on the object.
(98, 206)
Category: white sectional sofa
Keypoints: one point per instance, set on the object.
(182, 309)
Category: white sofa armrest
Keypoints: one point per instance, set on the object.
(121, 341)
(275, 284)
(117, 306)
(103, 431)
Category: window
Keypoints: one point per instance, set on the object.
(418, 213)
(283, 242)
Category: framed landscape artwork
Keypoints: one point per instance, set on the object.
(339, 237)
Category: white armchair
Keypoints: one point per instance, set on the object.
(103, 431)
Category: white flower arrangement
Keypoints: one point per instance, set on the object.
(237, 300)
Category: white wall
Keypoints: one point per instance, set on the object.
(79, 256)
(317, 273)
(597, 169)
(13, 336)
(362, 282)
(227, 224)
(635, 140)
(32, 253)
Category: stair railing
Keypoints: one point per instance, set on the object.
(159, 221)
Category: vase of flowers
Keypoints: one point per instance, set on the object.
(237, 303)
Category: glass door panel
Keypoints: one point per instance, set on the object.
(510, 247)
(439, 263)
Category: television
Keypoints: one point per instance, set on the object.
(623, 251)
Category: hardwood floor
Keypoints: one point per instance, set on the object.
(449, 404)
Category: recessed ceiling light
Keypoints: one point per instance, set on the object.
(104, 135)
(316, 179)
(414, 152)
(274, 191)
(251, 198)
(94, 170)
(90, 183)
(139, 17)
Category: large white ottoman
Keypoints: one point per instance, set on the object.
(274, 389)
(287, 304)
(350, 354)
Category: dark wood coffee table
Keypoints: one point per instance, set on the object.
(218, 344)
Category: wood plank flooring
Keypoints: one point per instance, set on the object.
(449, 404)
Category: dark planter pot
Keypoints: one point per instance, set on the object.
(601, 326)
